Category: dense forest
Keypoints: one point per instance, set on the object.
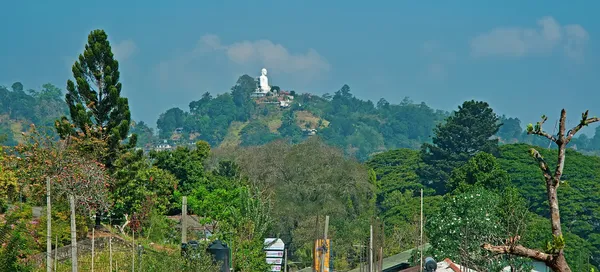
(249, 171)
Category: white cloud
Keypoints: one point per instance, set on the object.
(214, 65)
(265, 53)
(124, 49)
(522, 41)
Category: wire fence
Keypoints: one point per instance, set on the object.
(124, 244)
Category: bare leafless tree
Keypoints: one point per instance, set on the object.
(554, 257)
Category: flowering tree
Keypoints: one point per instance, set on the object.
(41, 157)
(87, 180)
(467, 220)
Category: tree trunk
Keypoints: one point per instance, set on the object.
(554, 210)
(98, 221)
(560, 263)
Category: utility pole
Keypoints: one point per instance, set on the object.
(48, 228)
(371, 250)
(183, 220)
(73, 235)
(421, 240)
(324, 245)
(315, 245)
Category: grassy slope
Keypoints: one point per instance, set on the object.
(273, 121)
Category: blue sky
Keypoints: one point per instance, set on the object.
(526, 58)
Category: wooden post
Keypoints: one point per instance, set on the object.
(110, 252)
(421, 240)
(48, 228)
(285, 260)
(133, 252)
(183, 220)
(93, 245)
(371, 250)
(73, 235)
(380, 259)
(55, 252)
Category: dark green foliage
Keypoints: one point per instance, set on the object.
(256, 133)
(95, 103)
(463, 134)
(185, 163)
(241, 97)
(483, 171)
(170, 120)
(138, 183)
(289, 129)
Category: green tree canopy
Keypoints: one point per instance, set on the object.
(466, 132)
(483, 170)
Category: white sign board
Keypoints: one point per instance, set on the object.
(274, 244)
(274, 254)
(274, 260)
(274, 248)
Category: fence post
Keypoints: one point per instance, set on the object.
(133, 252)
(184, 220)
(55, 253)
(73, 235)
(110, 252)
(93, 245)
(48, 228)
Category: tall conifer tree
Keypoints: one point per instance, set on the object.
(95, 103)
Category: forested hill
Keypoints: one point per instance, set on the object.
(19, 109)
(361, 128)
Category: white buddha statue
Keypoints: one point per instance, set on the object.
(264, 81)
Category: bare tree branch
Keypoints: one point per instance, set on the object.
(538, 130)
(519, 250)
(584, 122)
(542, 163)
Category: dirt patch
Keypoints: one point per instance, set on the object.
(306, 118)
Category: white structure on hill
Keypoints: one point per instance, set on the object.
(264, 81)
